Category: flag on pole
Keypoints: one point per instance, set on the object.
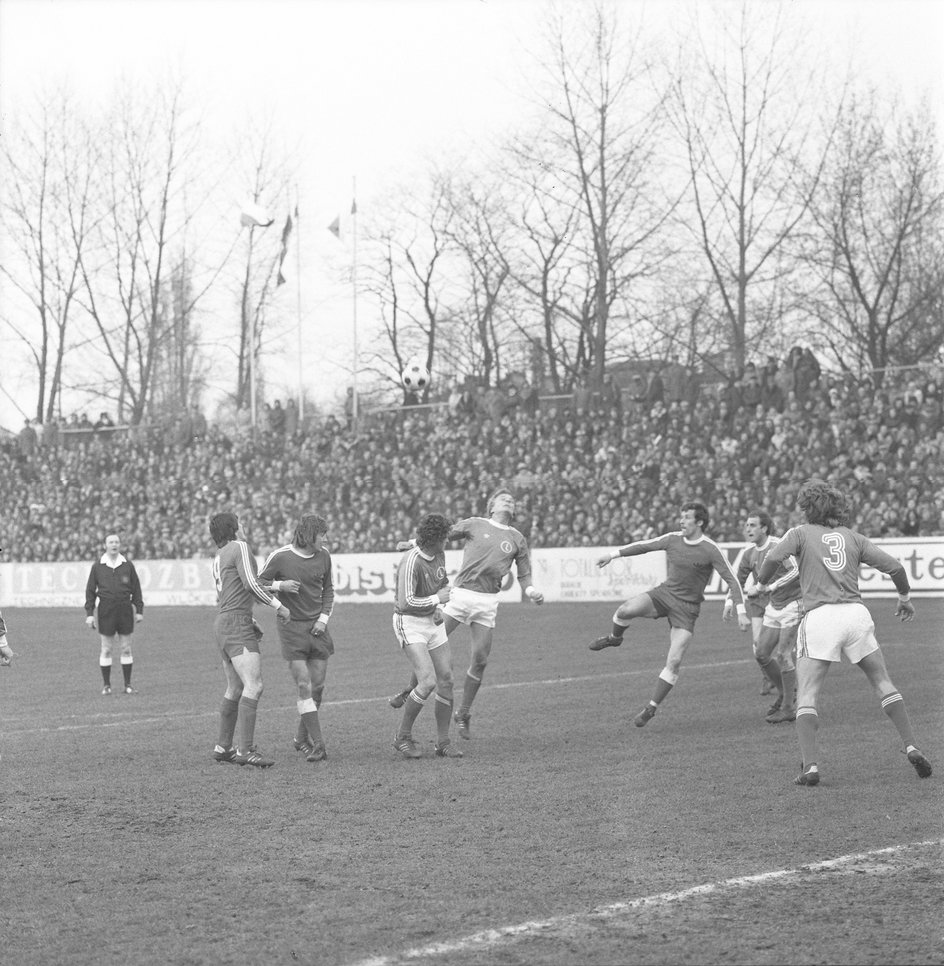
(254, 216)
(335, 227)
(286, 232)
(353, 206)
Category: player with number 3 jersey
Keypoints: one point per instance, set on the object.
(836, 623)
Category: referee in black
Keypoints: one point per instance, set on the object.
(114, 582)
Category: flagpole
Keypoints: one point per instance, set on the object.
(298, 306)
(252, 351)
(354, 400)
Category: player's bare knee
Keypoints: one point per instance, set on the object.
(426, 683)
(477, 666)
(621, 616)
(446, 680)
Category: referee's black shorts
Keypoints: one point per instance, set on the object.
(115, 617)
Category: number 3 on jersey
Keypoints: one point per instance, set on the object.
(836, 543)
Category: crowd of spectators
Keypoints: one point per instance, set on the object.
(595, 468)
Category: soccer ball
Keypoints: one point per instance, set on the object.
(414, 377)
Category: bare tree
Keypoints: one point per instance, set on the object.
(48, 164)
(179, 370)
(879, 248)
(478, 230)
(405, 273)
(599, 144)
(542, 267)
(746, 113)
(145, 157)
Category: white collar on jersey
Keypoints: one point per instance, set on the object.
(119, 560)
(300, 553)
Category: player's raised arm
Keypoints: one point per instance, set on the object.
(634, 549)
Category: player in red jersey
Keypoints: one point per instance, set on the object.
(302, 571)
(755, 603)
(835, 622)
(238, 636)
(690, 558)
(492, 547)
(422, 589)
(775, 638)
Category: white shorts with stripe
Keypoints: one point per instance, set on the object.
(413, 629)
(835, 631)
(472, 607)
(787, 616)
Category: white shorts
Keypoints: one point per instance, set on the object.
(412, 629)
(834, 631)
(472, 607)
(787, 616)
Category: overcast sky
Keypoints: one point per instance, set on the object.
(373, 87)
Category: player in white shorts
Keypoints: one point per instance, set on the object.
(492, 547)
(422, 589)
(836, 623)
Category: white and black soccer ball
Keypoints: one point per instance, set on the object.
(415, 376)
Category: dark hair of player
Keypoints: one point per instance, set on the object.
(432, 530)
(764, 520)
(701, 513)
(823, 504)
(309, 528)
(223, 527)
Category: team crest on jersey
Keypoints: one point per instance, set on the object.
(440, 572)
(506, 546)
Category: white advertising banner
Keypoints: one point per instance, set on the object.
(562, 574)
(364, 577)
(573, 574)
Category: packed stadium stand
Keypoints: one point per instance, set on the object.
(590, 468)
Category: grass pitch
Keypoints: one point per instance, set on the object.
(565, 835)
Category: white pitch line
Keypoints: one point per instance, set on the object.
(489, 939)
(122, 720)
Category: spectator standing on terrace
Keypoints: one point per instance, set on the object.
(238, 637)
(302, 571)
(690, 558)
(674, 378)
(27, 440)
(113, 582)
(836, 622)
(492, 546)
(291, 419)
(422, 589)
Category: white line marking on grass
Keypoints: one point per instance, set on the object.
(93, 719)
(490, 939)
